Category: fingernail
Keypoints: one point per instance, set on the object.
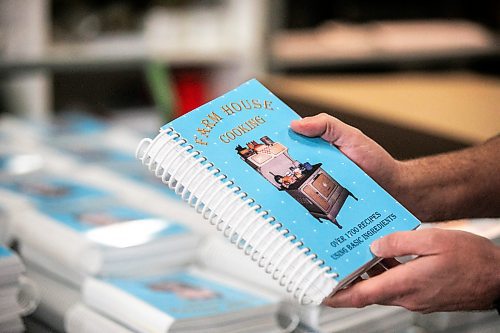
(375, 247)
(341, 299)
(331, 302)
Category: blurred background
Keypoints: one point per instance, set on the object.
(81, 82)
(167, 57)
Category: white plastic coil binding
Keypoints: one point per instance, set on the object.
(290, 263)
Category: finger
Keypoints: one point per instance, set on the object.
(416, 242)
(386, 288)
(327, 127)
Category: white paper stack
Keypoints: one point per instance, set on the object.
(4, 226)
(81, 319)
(10, 273)
(185, 301)
(55, 296)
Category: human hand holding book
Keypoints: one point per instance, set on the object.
(360, 149)
(453, 270)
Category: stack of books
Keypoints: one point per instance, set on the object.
(104, 155)
(190, 300)
(86, 230)
(104, 240)
(10, 273)
(67, 231)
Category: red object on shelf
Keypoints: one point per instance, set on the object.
(191, 90)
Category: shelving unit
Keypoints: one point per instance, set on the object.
(386, 44)
(236, 56)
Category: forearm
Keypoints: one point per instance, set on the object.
(454, 185)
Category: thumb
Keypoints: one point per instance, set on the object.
(416, 242)
(328, 128)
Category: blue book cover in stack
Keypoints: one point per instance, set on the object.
(5, 252)
(183, 295)
(123, 220)
(53, 191)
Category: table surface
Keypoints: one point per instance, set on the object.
(460, 106)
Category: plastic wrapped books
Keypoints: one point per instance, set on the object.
(105, 240)
(11, 310)
(184, 301)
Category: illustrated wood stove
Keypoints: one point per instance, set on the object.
(309, 184)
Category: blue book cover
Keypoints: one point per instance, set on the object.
(4, 162)
(50, 191)
(184, 295)
(87, 218)
(5, 252)
(309, 186)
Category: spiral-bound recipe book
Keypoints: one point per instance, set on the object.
(295, 205)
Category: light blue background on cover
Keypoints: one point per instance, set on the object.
(5, 252)
(71, 191)
(72, 218)
(225, 299)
